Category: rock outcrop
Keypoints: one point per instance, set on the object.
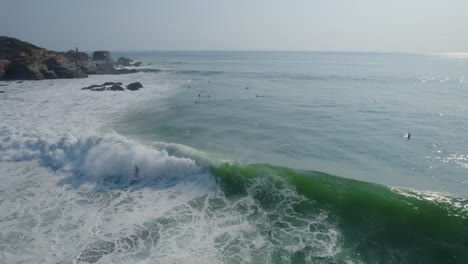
(102, 56)
(63, 68)
(3, 66)
(107, 86)
(134, 86)
(122, 61)
(82, 60)
(113, 86)
(76, 57)
(21, 60)
(49, 66)
(108, 68)
(103, 64)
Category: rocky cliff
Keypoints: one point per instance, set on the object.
(21, 60)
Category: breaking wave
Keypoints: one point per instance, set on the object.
(229, 213)
(93, 157)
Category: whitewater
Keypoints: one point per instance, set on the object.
(55, 160)
(68, 192)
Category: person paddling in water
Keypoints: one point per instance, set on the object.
(137, 171)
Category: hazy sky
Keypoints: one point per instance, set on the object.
(321, 25)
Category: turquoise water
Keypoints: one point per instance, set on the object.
(339, 113)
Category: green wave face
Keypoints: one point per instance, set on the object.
(317, 217)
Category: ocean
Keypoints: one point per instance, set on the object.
(243, 157)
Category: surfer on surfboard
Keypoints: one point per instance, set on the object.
(408, 136)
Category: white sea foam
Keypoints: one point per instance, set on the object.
(93, 157)
(69, 192)
(78, 203)
(59, 124)
(427, 78)
(57, 161)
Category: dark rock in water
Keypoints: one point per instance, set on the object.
(2, 91)
(107, 68)
(149, 70)
(107, 86)
(102, 55)
(91, 87)
(134, 86)
(124, 61)
(99, 89)
(112, 83)
(103, 64)
(116, 88)
(124, 71)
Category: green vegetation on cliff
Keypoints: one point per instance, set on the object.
(12, 47)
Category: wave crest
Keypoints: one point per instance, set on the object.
(111, 157)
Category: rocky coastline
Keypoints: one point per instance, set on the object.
(21, 60)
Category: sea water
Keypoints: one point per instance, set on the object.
(243, 157)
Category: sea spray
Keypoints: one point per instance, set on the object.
(96, 158)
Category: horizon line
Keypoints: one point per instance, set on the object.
(316, 51)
